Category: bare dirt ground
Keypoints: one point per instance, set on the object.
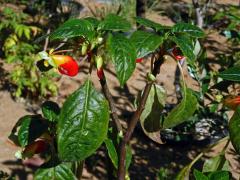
(148, 157)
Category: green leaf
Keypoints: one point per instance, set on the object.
(182, 111)
(114, 22)
(190, 29)
(151, 24)
(123, 55)
(128, 156)
(185, 44)
(231, 74)
(199, 175)
(216, 163)
(219, 175)
(74, 28)
(95, 22)
(59, 172)
(150, 118)
(50, 110)
(145, 42)
(112, 153)
(83, 123)
(30, 128)
(234, 130)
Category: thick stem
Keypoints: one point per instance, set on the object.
(133, 122)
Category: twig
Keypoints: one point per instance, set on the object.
(62, 44)
(133, 122)
(46, 40)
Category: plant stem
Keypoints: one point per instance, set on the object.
(109, 98)
(133, 122)
(208, 148)
(79, 169)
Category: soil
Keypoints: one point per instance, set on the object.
(148, 157)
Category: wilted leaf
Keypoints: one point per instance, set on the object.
(150, 118)
(182, 111)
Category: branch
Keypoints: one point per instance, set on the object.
(46, 40)
(133, 122)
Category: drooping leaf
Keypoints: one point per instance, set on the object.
(199, 175)
(182, 111)
(114, 23)
(74, 28)
(231, 74)
(185, 44)
(216, 163)
(30, 128)
(123, 55)
(112, 153)
(145, 42)
(219, 175)
(151, 24)
(234, 130)
(150, 118)
(190, 29)
(59, 172)
(50, 110)
(83, 123)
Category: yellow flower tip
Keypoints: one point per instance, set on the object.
(46, 64)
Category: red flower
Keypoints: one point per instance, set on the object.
(100, 73)
(232, 102)
(65, 64)
(177, 53)
(139, 60)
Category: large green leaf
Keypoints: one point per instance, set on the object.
(59, 172)
(219, 175)
(74, 28)
(151, 24)
(114, 23)
(185, 44)
(199, 175)
(231, 74)
(216, 163)
(145, 42)
(83, 123)
(123, 55)
(150, 118)
(27, 129)
(112, 153)
(189, 29)
(95, 22)
(234, 130)
(50, 110)
(182, 111)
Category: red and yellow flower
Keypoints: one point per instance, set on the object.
(232, 102)
(65, 64)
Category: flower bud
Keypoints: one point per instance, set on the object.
(99, 61)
